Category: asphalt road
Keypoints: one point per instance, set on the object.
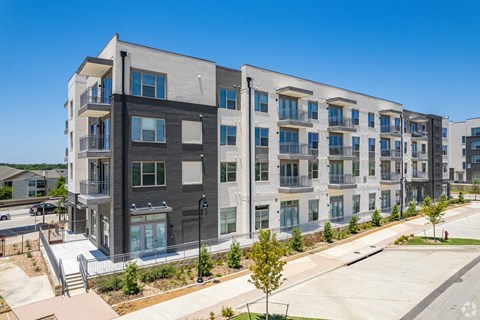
(21, 222)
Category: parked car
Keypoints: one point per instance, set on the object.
(38, 209)
(4, 216)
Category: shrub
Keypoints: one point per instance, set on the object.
(164, 271)
(109, 283)
(206, 260)
(29, 255)
(130, 279)
(328, 232)
(353, 225)
(212, 315)
(234, 255)
(297, 240)
(227, 312)
(376, 218)
(394, 215)
(341, 234)
(411, 210)
(461, 198)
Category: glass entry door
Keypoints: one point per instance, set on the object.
(148, 236)
(288, 173)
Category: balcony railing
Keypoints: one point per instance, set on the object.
(341, 122)
(299, 116)
(394, 153)
(66, 127)
(341, 179)
(94, 95)
(94, 188)
(343, 151)
(418, 134)
(294, 148)
(295, 182)
(94, 142)
(419, 154)
(390, 176)
(391, 129)
(419, 175)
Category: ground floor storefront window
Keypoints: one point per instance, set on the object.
(148, 232)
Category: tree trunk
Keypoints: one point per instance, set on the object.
(266, 314)
(434, 239)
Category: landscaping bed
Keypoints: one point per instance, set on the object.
(258, 316)
(422, 241)
(32, 263)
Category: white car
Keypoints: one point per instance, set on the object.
(4, 216)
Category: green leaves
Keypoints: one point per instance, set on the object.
(234, 255)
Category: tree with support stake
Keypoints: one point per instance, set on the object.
(267, 268)
(434, 211)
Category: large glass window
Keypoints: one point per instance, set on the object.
(261, 137)
(261, 217)
(261, 171)
(228, 135)
(148, 174)
(371, 144)
(93, 224)
(371, 120)
(312, 110)
(336, 207)
(475, 145)
(313, 140)
(355, 169)
(148, 85)
(148, 129)
(288, 213)
(287, 108)
(228, 171)
(355, 117)
(261, 101)
(475, 131)
(386, 200)
(313, 169)
(313, 210)
(444, 150)
(464, 139)
(444, 132)
(356, 203)
(371, 168)
(32, 183)
(371, 201)
(228, 98)
(228, 220)
(475, 159)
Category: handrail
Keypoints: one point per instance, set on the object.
(63, 279)
(83, 266)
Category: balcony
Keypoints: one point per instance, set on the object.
(390, 178)
(419, 135)
(342, 181)
(94, 146)
(296, 151)
(65, 131)
(261, 153)
(419, 176)
(342, 153)
(393, 154)
(419, 155)
(94, 102)
(293, 119)
(295, 184)
(391, 131)
(341, 124)
(94, 192)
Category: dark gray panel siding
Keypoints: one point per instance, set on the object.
(472, 168)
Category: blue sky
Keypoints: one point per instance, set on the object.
(424, 54)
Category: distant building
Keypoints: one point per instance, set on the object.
(465, 150)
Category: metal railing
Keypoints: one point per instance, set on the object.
(418, 134)
(394, 153)
(390, 176)
(62, 277)
(88, 187)
(345, 151)
(295, 148)
(50, 255)
(66, 127)
(391, 129)
(83, 267)
(341, 122)
(371, 155)
(300, 116)
(419, 154)
(94, 142)
(94, 95)
(419, 174)
(295, 181)
(341, 179)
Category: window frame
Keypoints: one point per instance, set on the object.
(370, 172)
(226, 164)
(220, 101)
(155, 129)
(356, 201)
(260, 218)
(259, 133)
(260, 171)
(224, 212)
(312, 109)
(312, 171)
(312, 214)
(152, 73)
(372, 195)
(356, 112)
(155, 174)
(259, 104)
(371, 120)
(225, 127)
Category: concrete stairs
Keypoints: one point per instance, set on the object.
(75, 284)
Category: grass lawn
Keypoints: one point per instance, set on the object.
(258, 316)
(421, 241)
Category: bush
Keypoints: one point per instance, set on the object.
(341, 234)
(227, 312)
(394, 215)
(212, 315)
(206, 260)
(234, 255)
(328, 232)
(411, 210)
(130, 279)
(376, 218)
(109, 283)
(353, 225)
(461, 198)
(297, 240)
(29, 255)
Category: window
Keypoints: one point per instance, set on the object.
(371, 168)
(313, 169)
(313, 140)
(475, 145)
(371, 201)
(444, 150)
(105, 232)
(371, 144)
(148, 129)
(464, 139)
(71, 109)
(288, 213)
(261, 217)
(356, 203)
(228, 171)
(475, 131)
(70, 171)
(228, 99)
(40, 183)
(192, 132)
(475, 159)
(261, 101)
(371, 120)
(228, 220)
(336, 207)
(355, 117)
(148, 174)
(32, 183)
(313, 210)
(261, 171)
(405, 148)
(312, 110)
(424, 167)
(32, 193)
(94, 224)
(192, 172)
(464, 165)
(356, 169)
(228, 135)
(261, 137)
(445, 167)
(385, 204)
(71, 140)
(464, 152)
(444, 132)
(148, 85)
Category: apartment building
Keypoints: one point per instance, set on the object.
(151, 132)
(464, 142)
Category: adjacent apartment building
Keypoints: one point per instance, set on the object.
(151, 132)
(464, 141)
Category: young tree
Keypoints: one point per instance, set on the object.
(328, 232)
(461, 197)
(475, 188)
(234, 255)
(411, 210)
(6, 193)
(207, 262)
(353, 224)
(376, 218)
(434, 211)
(267, 267)
(130, 280)
(59, 190)
(394, 215)
(296, 243)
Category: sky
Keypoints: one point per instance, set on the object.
(423, 54)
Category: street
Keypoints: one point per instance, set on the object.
(21, 222)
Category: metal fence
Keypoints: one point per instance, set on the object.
(18, 244)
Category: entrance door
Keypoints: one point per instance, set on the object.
(105, 177)
(148, 236)
(106, 88)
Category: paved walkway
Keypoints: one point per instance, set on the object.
(238, 291)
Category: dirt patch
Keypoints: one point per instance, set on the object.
(3, 305)
(31, 263)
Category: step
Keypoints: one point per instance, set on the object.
(74, 287)
(73, 275)
(74, 282)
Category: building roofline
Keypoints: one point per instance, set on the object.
(229, 69)
(324, 84)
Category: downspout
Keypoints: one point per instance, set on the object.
(402, 178)
(124, 153)
(250, 183)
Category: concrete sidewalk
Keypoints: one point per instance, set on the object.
(238, 291)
